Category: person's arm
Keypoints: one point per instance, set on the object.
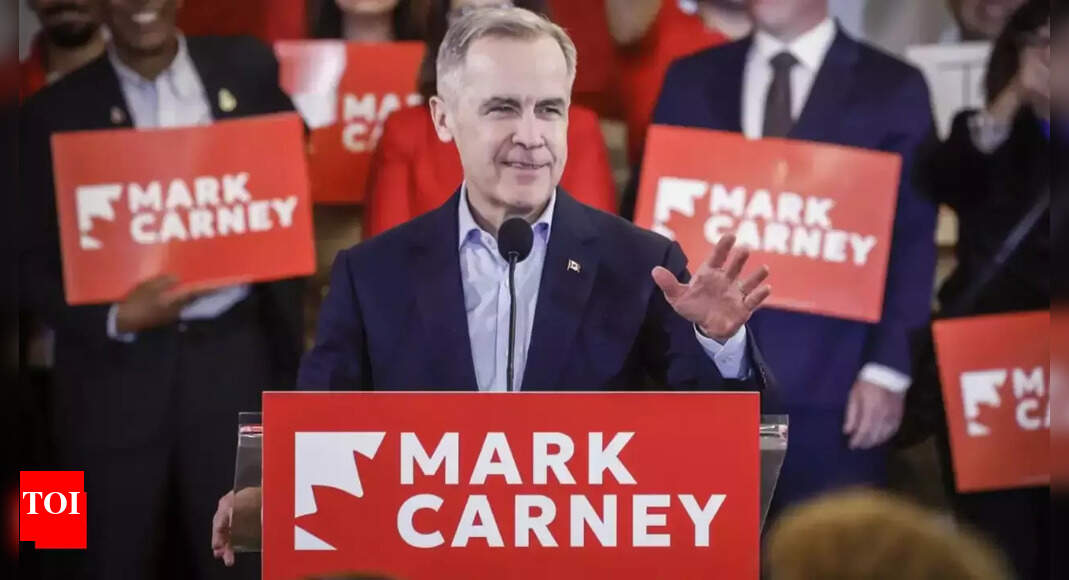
(630, 20)
(339, 358)
(874, 406)
(588, 175)
(390, 184)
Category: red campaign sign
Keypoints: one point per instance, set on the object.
(52, 508)
(213, 205)
(518, 485)
(820, 216)
(994, 371)
(346, 106)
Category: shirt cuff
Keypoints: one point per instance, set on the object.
(886, 377)
(730, 357)
(113, 333)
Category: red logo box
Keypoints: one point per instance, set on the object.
(52, 507)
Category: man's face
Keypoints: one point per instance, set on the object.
(142, 26)
(781, 16)
(506, 108)
(366, 7)
(983, 19)
(68, 23)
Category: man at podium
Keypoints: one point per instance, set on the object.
(598, 302)
(567, 297)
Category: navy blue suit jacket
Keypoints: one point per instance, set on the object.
(862, 98)
(394, 317)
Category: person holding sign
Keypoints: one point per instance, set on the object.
(995, 172)
(800, 76)
(413, 170)
(599, 303)
(147, 387)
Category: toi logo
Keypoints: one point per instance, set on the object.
(52, 508)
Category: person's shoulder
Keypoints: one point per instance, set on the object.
(408, 119)
(883, 68)
(720, 54)
(391, 247)
(53, 102)
(628, 241)
(236, 56)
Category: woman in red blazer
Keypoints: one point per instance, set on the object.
(414, 172)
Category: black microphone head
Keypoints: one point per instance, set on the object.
(515, 236)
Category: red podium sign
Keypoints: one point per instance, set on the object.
(213, 205)
(995, 372)
(522, 486)
(820, 216)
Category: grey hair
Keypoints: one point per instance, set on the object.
(505, 22)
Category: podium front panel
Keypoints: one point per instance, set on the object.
(511, 485)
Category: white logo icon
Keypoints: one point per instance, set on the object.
(326, 459)
(980, 388)
(95, 201)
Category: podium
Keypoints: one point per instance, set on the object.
(510, 485)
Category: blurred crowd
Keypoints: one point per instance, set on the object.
(843, 79)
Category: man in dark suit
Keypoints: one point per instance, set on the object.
(800, 76)
(147, 390)
(600, 302)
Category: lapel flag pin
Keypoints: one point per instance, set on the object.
(117, 116)
(574, 266)
(227, 102)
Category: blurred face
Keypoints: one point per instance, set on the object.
(787, 19)
(68, 23)
(142, 26)
(506, 108)
(983, 19)
(366, 7)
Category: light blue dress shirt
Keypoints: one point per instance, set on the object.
(175, 98)
(485, 281)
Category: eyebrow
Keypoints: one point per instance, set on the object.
(493, 102)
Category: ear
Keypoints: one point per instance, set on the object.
(440, 116)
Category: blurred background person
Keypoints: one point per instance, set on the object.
(980, 19)
(71, 35)
(147, 389)
(650, 34)
(842, 382)
(414, 171)
(867, 535)
(994, 171)
(370, 20)
(268, 20)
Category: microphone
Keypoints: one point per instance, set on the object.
(514, 239)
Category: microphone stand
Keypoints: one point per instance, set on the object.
(513, 258)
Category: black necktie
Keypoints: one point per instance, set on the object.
(778, 119)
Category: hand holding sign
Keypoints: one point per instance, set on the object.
(152, 303)
(714, 299)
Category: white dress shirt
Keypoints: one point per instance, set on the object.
(810, 49)
(175, 98)
(484, 277)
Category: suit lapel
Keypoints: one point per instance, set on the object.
(440, 298)
(727, 104)
(563, 293)
(224, 97)
(830, 91)
(113, 112)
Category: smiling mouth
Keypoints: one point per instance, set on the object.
(521, 165)
(146, 17)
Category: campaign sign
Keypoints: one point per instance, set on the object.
(345, 91)
(512, 485)
(995, 373)
(820, 216)
(212, 205)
